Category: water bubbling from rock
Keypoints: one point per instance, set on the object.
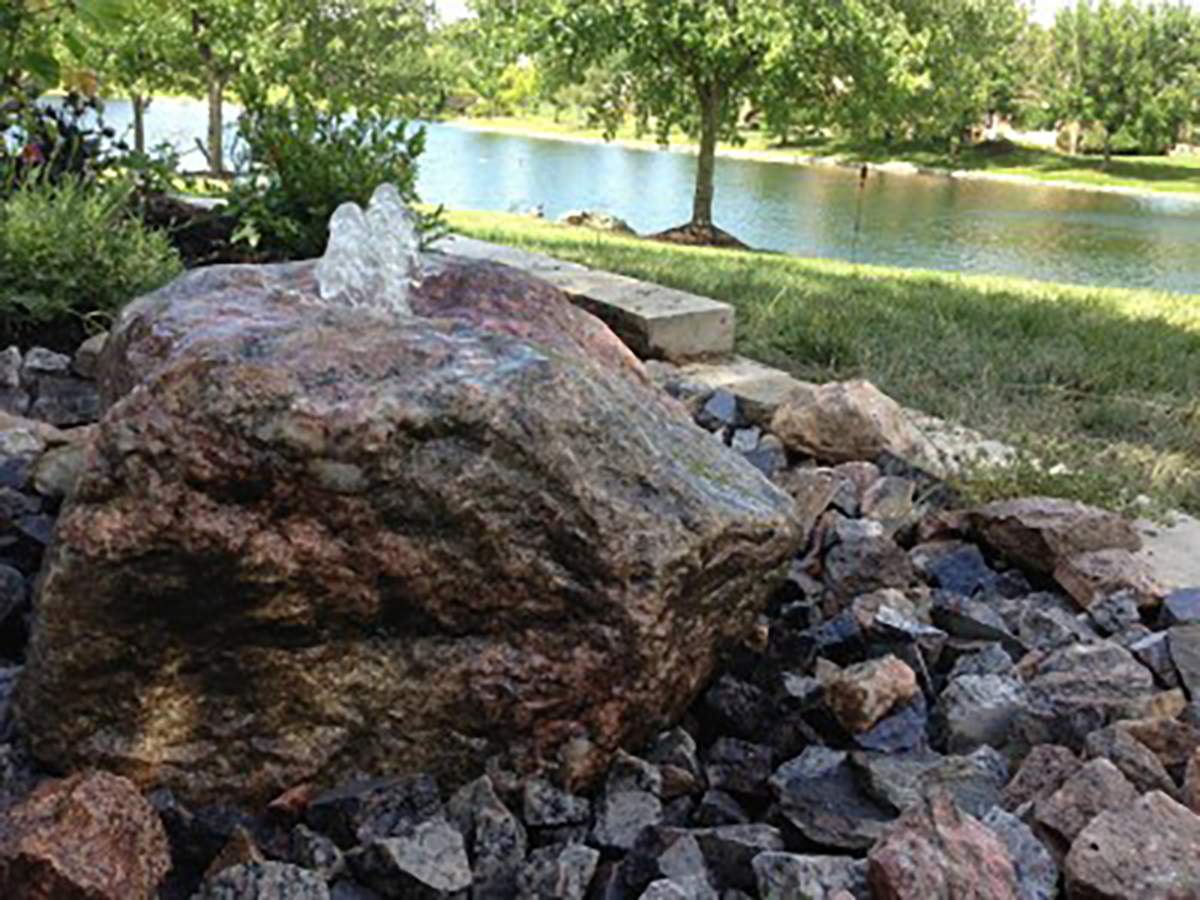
(373, 257)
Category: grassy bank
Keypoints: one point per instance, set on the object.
(1104, 381)
(1179, 174)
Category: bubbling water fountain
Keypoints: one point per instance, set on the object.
(373, 259)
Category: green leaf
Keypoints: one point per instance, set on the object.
(74, 44)
(42, 65)
(103, 14)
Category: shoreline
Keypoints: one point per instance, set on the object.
(794, 158)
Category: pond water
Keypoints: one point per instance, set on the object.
(1048, 233)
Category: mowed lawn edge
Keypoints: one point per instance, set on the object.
(1097, 386)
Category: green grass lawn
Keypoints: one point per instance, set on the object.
(1105, 381)
(1178, 174)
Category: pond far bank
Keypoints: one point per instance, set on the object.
(1028, 166)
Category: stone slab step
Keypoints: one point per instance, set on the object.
(655, 322)
(1173, 551)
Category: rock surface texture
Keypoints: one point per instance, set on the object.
(90, 836)
(293, 515)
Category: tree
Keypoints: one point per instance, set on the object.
(1101, 64)
(694, 64)
(139, 58)
(366, 54)
(1130, 70)
(967, 67)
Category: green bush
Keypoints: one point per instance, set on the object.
(299, 163)
(73, 250)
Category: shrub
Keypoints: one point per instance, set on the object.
(299, 163)
(71, 251)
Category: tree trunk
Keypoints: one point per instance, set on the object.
(216, 124)
(706, 163)
(139, 124)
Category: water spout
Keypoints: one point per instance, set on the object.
(373, 258)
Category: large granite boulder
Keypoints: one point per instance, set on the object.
(312, 541)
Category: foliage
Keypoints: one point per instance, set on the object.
(301, 162)
(71, 250)
(1128, 69)
(52, 141)
(483, 59)
(957, 64)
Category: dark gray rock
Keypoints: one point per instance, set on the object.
(631, 801)
(264, 881)
(840, 640)
(975, 782)
(428, 860)
(956, 567)
(718, 808)
(547, 806)
(729, 852)
(979, 709)
(1184, 641)
(65, 402)
(377, 808)
(799, 692)
(769, 457)
(670, 889)
(1154, 652)
(316, 852)
(1182, 607)
(719, 411)
(1035, 868)
(904, 731)
(12, 398)
(667, 854)
(745, 440)
(991, 660)
(739, 766)
(1051, 627)
(739, 707)
(676, 748)
(972, 619)
(789, 875)
(1114, 611)
(895, 780)
(351, 890)
(39, 362)
(495, 839)
(8, 684)
(13, 593)
(820, 795)
(558, 872)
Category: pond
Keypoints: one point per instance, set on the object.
(1043, 232)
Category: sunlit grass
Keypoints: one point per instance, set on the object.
(1106, 381)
